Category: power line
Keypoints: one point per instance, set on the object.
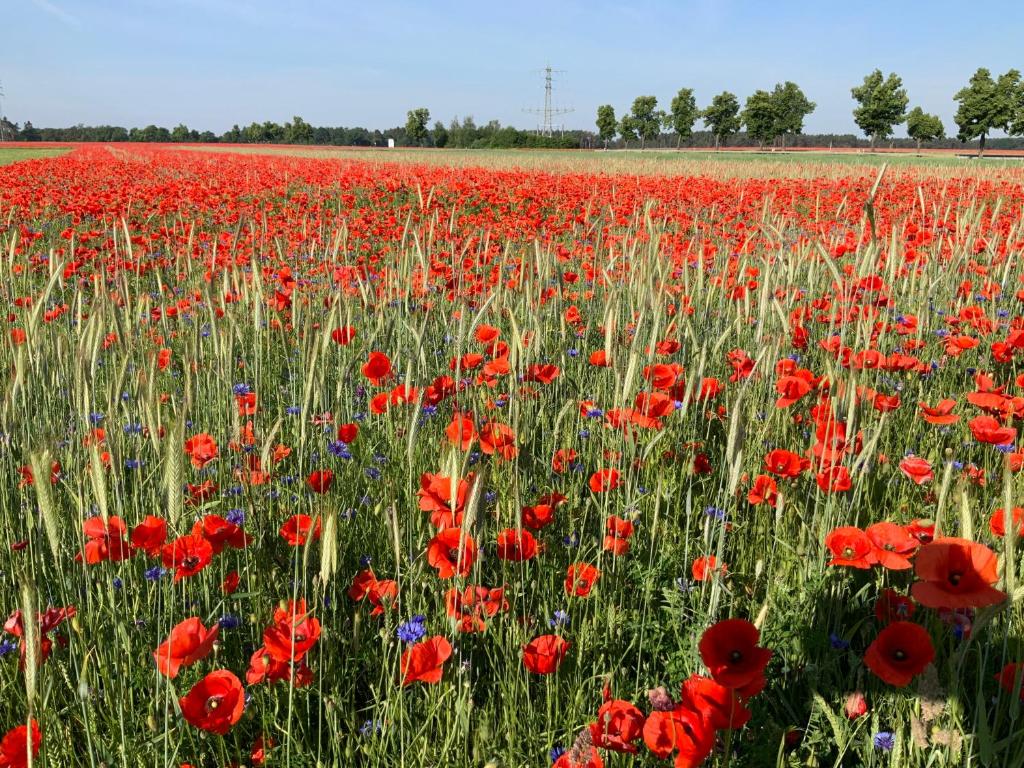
(549, 111)
(3, 122)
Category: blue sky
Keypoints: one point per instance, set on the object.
(211, 63)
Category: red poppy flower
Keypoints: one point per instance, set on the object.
(230, 584)
(1010, 678)
(562, 460)
(850, 547)
(987, 429)
(721, 707)
(764, 491)
(901, 651)
(619, 724)
(618, 532)
(730, 651)
(538, 516)
(220, 533)
(150, 535)
(377, 368)
(297, 529)
(348, 433)
(444, 497)
(187, 555)
(834, 479)
(498, 439)
(956, 573)
(344, 335)
(604, 480)
(704, 567)
(293, 633)
(940, 414)
(516, 546)
(215, 703)
(580, 579)
(997, 522)
(679, 730)
(450, 552)
(16, 744)
(893, 546)
(580, 756)
(543, 655)
(106, 541)
(188, 643)
(201, 450)
(917, 469)
(424, 662)
(320, 480)
(461, 432)
(785, 463)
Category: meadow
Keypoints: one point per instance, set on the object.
(321, 458)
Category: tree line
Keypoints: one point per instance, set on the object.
(985, 105)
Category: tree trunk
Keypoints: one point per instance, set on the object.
(981, 146)
(919, 146)
(872, 142)
(716, 142)
(679, 140)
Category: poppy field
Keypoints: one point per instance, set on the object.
(314, 461)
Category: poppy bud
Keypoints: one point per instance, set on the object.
(856, 705)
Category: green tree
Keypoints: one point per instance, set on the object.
(791, 106)
(180, 132)
(883, 104)
(29, 132)
(760, 118)
(439, 135)
(922, 126)
(645, 118)
(416, 125)
(298, 131)
(682, 114)
(987, 105)
(722, 116)
(607, 126)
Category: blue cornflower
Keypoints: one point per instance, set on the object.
(884, 741)
(235, 516)
(96, 418)
(293, 410)
(241, 389)
(573, 353)
(561, 619)
(372, 472)
(369, 728)
(556, 752)
(155, 573)
(132, 463)
(339, 448)
(117, 583)
(6, 647)
(364, 561)
(413, 630)
(715, 512)
(837, 642)
(230, 621)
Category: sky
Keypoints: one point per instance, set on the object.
(214, 63)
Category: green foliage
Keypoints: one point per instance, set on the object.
(924, 127)
(682, 114)
(790, 107)
(645, 118)
(439, 135)
(883, 103)
(986, 105)
(722, 116)
(416, 126)
(298, 131)
(760, 118)
(607, 126)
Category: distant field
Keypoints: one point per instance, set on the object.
(735, 163)
(8, 156)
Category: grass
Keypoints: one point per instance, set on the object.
(186, 252)
(16, 155)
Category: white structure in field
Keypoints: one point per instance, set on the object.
(391, 143)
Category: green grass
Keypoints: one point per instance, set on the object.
(17, 154)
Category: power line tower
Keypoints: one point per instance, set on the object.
(3, 122)
(549, 112)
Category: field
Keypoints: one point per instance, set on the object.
(320, 457)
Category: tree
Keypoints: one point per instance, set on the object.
(722, 116)
(606, 123)
(760, 118)
(682, 114)
(883, 104)
(922, 126)
(987, 105)
(627, 129)
(416, 125)
(29, 132)
(791, 106)
(645, 118)
(298, 131)
(439, 135)
(180, 132)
